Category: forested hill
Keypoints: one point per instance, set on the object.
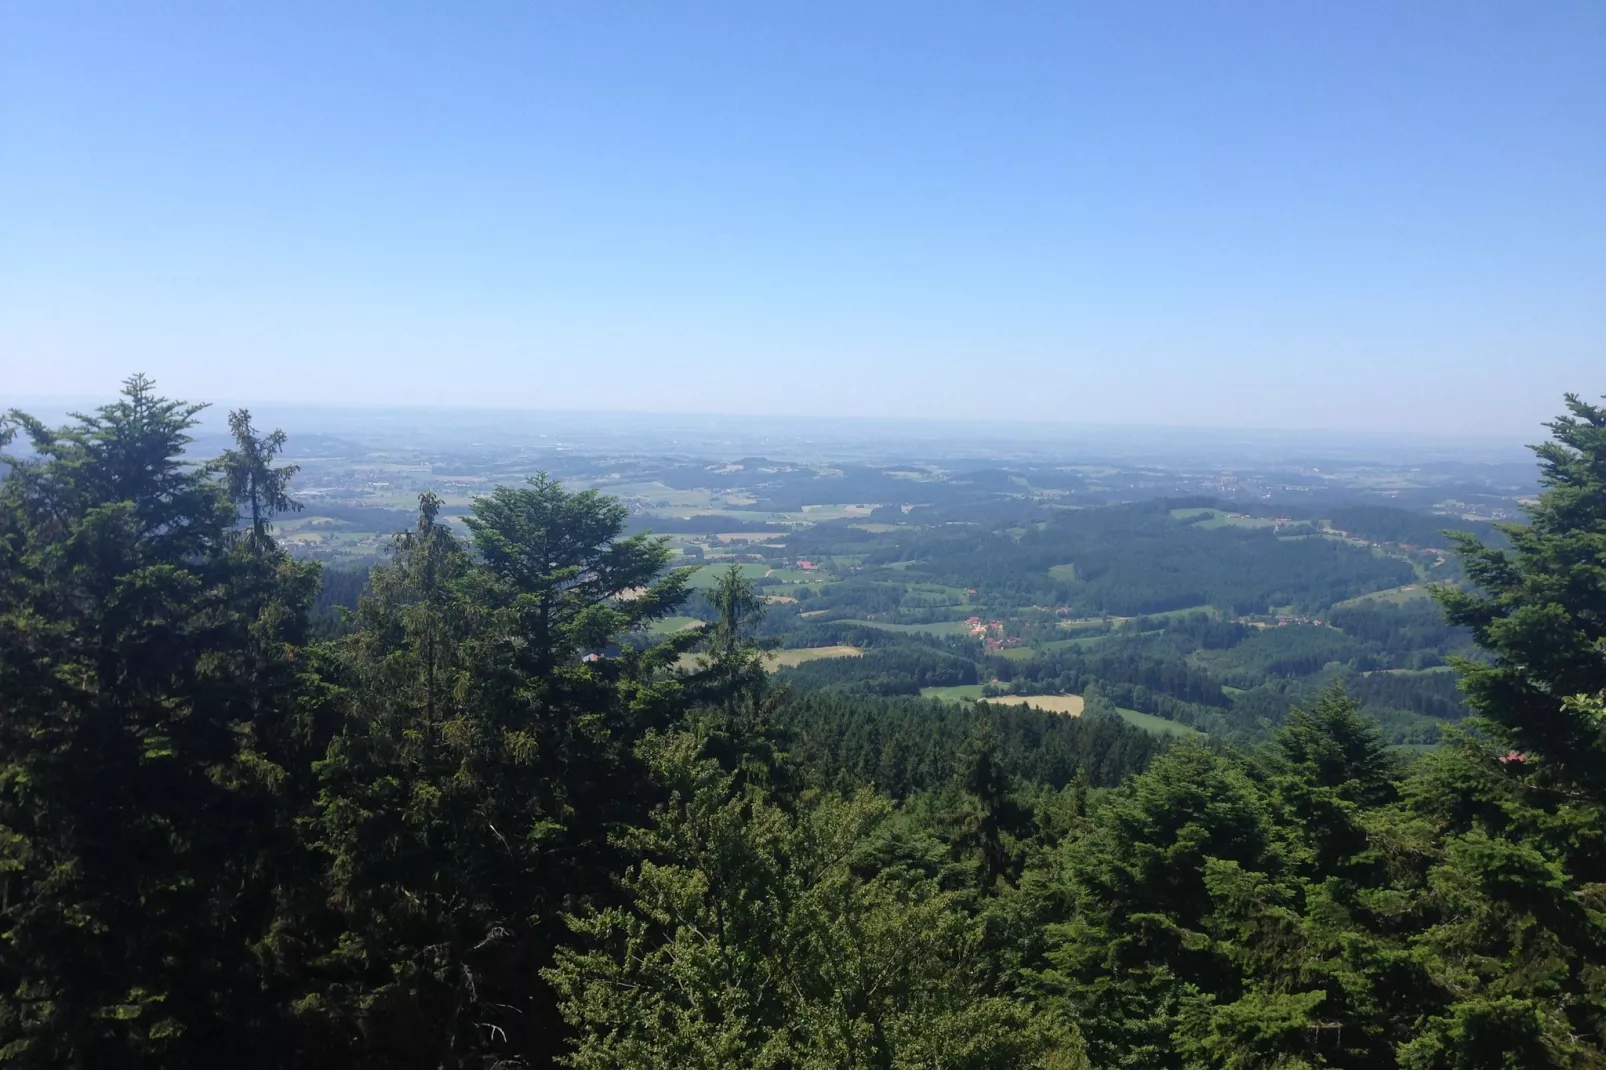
(543, 798)
(1209, 619)
(1133, 560)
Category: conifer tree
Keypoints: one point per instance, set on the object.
(261, 489)
(988, 820)
(483, 764)
(758, 936)
(734, 701)
(1540, 609)
(133, 812)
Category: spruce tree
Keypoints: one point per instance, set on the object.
(261, 489)
(483, 767)
(1540, 610)
(134, 812)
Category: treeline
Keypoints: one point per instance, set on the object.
(455, 836)
(902, 746)
(1414, 635)
(1237, 694)
(1230, 679)
(895, 669)
(1382, 523)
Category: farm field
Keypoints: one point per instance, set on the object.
(791, 575)
(708, 575)
(821, 513)
(942, 627)
(671, 625)
(1077, 644)
(956, 693)
(1168, 614)
(658, 494)
(1086, 622)
(786, 659)
(1156, 724)
(1219, 518)
(1070, 705)
(1394, 596)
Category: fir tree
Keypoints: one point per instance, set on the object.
(1540, 609)
(134, 811)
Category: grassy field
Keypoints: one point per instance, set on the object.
(821, 513)
(1086, 622)
(304, 522)
(1070, 705)
(1186, 612)
(1098, 622)
(776, 660)
(708, 575)
(660, 494)
(792, 575)
(942, 627)
(957, 693)
(1394, 596)
(1062, 572)
(671, 625)
(786, 659)
(956, 595)
(1018, 653)
(1221, 519)
(1066, 704)
(1160, 725)
(667, 516)
(1078, 644)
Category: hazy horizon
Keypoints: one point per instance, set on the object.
(1369, 218)
(826, 438)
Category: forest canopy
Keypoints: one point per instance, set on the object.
(494, 814)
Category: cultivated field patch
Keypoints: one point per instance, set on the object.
(1394, 596)
(786, 659)
(1070, 705)
(942, 627)
(671, 625)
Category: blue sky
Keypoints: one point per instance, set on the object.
(1375, 216)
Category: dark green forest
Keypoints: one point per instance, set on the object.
(469, 809)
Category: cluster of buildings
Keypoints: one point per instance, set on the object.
(991, 633)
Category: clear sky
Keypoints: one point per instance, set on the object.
(1274, 214)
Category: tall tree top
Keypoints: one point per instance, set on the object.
(255, 485)
(1540, 610)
